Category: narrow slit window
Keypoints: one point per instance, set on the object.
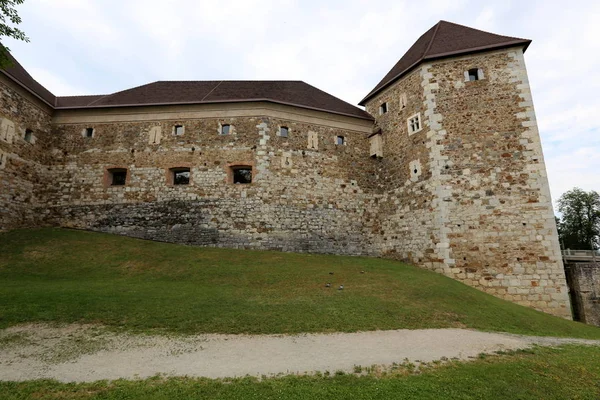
(225, 129)
(28, 135)
(241, 174)
(284, 131)
(89, 132)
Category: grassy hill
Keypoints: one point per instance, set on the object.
(55, 275)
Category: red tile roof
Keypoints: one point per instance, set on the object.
(444, 39)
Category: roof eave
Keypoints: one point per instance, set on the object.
(366, 115)
(524, 42)
(21, 84)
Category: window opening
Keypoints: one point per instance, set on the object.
(242, 175)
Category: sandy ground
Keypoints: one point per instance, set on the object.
(77, 353)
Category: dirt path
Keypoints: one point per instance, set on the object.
(87, 353)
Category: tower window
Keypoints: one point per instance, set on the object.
(474, 74)
(225, 129)
(180, 176)
(28, 135)
(241, 174)
(340, 140)
(88, 132)
(383, 108)
(178, 130)
(284, 131)
(414, 124)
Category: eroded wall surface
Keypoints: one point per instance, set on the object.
(307, 191)
(584, 282)
(22, 162)
(481, 204)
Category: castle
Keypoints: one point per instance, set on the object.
(444, 169)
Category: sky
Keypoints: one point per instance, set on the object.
(342, 47)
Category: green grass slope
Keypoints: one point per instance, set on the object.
(65, 276)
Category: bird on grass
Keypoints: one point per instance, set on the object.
(328, 285)
(341, 287)
(362, 272)
(331, 273)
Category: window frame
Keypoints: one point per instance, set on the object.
(109, 176)
(383, 108)
(337, 138)
(172, 175)
(88, 132)
(231, 172)
(28, 136)
(287, 132)
(176, 127)
(222, 128)
(410, 124)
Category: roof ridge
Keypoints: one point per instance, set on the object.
(437, 27)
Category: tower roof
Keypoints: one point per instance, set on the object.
(444, 39)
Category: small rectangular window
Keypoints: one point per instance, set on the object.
(181, 176)
(340, 140)
(28, 135)
(414, 124)
(284, 131)
(225, 129)
(118, 176)
(178, 130)
(89, 132)
(383, 108)
(242, 174)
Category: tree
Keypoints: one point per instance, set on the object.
(579, 227)
(8, 15)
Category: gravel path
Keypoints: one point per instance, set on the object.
(77, 353)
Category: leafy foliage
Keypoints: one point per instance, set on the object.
(579, 228)
(8, 16)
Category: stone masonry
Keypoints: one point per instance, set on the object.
(448, 174)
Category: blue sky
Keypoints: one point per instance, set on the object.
(342, 47)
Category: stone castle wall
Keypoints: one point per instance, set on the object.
(584, 282)
(22, 163)
(303, 197)
(482, 200)
(466, 195)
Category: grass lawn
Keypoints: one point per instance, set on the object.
(66, 276)
(570, 372)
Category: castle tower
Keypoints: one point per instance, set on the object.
(465, 186)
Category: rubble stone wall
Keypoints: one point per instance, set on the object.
(481, 205)
(303, 196)
(22, 168)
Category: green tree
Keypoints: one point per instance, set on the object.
(8, 19)
(579, 227)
